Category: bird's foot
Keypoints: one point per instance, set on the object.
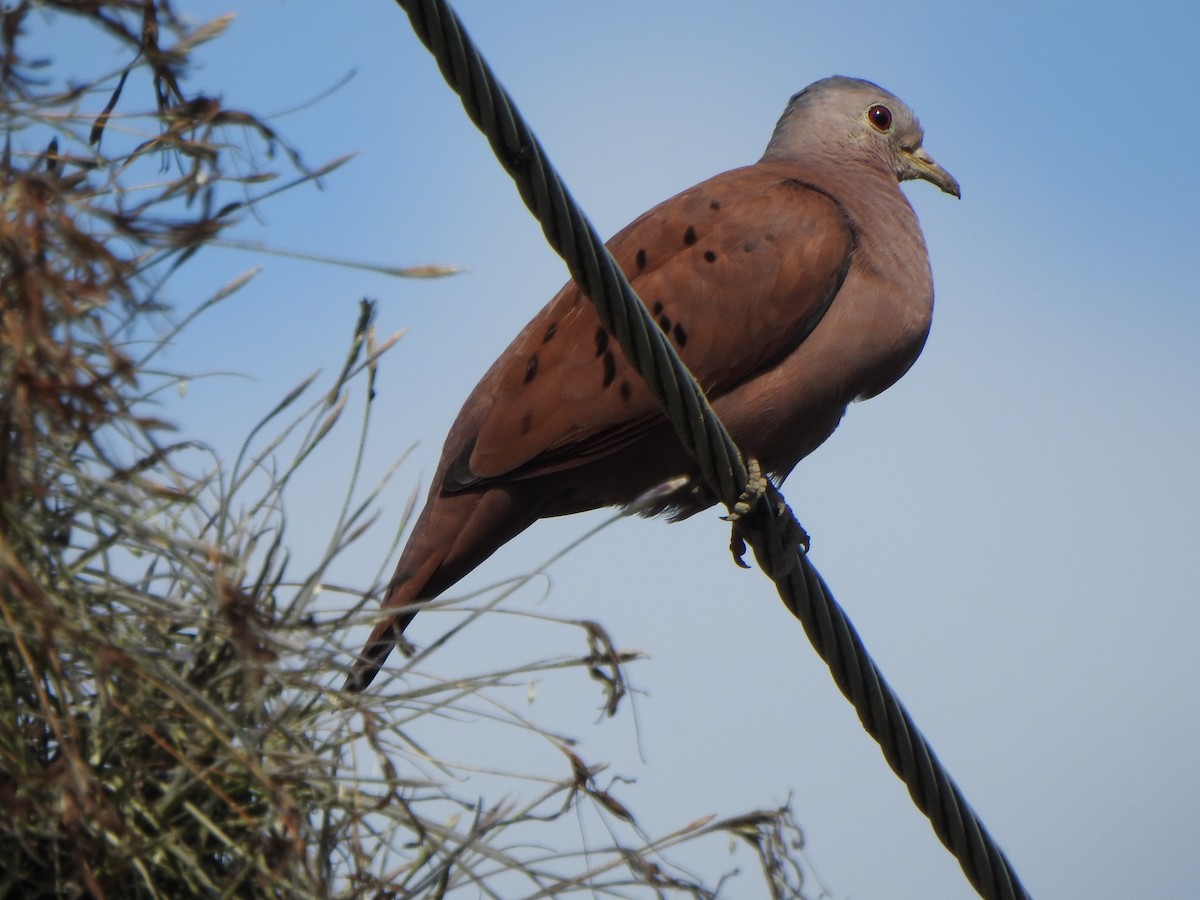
(756, 488)
(750, 507)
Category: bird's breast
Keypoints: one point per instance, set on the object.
(869, 337)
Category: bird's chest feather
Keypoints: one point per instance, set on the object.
(880, 319)
(868, 338)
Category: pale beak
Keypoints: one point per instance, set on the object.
(922, 166)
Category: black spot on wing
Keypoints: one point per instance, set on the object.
(689, 236)
(641, 258)
(664, 323)
(531, 368)
(550, 332)
(680, 334)
(610, 368)
(601, 341)
(710, 256)
(626, 390)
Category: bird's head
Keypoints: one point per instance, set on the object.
(847, 118)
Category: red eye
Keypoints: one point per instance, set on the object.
(880, 117)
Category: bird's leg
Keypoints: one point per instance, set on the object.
(749, 506)
(755, 489)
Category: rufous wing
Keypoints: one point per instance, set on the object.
(736, 272)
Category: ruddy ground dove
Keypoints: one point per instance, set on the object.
(790, 288)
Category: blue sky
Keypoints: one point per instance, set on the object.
(1011, 527)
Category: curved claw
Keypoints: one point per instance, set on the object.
(759, 487)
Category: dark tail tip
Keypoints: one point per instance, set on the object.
(378, 647)
(364, 672)
(361, 676)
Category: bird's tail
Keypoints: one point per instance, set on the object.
(453, 535)
(379, 645)
(405, 590)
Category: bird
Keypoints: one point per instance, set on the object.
(790, 288)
